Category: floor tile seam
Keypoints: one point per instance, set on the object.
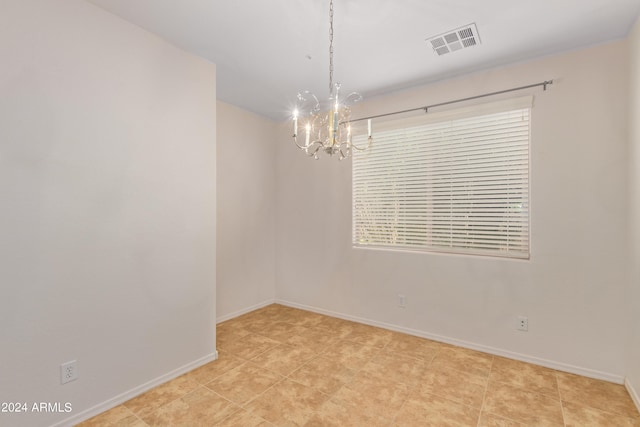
(484, 394)
(562, 399)
(139, 419)
(243, 405)
(224, 398)
(281, 374)
(465, 373)
(468, 351)
(351, 379)
(281, 344)
(522, 423)
(131, 410)
(256, 355)
(384, 351)
(303, 384)
(392, 381)
(543, 395)
(269, 371)
(399, 411)
(102, 414)
(182, 396)
(237, 408)
(413, 389)
(231, 324)
(358, 359)
(248, 402)
(440, 394)
(233, 336)
(308, 348)
(256, 335)
(412, 385)
(267, 337)
(302, 366)
(465, 367)
(234, 413)
(162, 406)
(584, 405)
(411, 356)
(626, 394)
(410, 391)
(359, 343)
(319, 328)
(360, 368)
(527, 389)
(478, 409)
(358, 409)
(366, 330)
(219, 375)
(316, 351)
(137, 414)
(274, 385)
(564, 417)
(560, 394)
(433, 357)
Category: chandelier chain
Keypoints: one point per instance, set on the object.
(330, 46)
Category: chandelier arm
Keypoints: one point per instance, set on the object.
(347, 150)
(369, 141)
(314, 154)
(318, 146)
(302, 147)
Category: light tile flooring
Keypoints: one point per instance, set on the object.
(281, 366)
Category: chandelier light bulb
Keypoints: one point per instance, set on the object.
(295, 122)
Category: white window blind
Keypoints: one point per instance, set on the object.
(460, 185)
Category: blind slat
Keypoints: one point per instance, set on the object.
(461, 184)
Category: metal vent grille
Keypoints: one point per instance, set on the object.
(454, 40)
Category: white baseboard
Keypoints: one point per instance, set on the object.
(121, 398)
(632, 393)
(245, 310)
(466, 344)
(117, 400)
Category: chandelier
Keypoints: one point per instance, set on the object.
(329, 132)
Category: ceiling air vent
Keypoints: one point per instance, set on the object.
(451, 41)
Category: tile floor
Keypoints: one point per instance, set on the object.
(281, 366)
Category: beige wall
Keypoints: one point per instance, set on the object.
(246, 211)
(107, 225)
(573, 287)
(633, 347)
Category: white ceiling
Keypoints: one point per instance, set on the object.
(262, 48)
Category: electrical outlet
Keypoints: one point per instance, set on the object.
(68, 371)
(523, 323)
(402, 301)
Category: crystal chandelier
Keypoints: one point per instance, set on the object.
(326, 132)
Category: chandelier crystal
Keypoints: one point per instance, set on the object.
(329, 132)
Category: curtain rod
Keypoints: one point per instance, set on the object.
(426, 108)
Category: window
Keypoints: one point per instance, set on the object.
(449, 182)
